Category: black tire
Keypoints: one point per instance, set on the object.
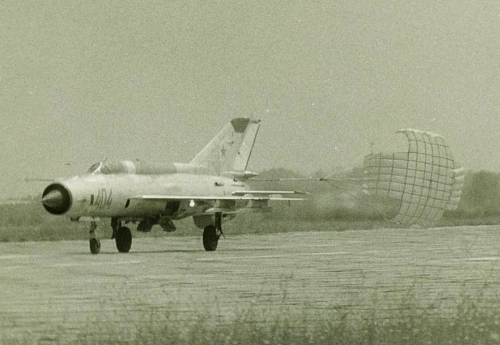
(210, 238)
(95, 246)
(123, 239)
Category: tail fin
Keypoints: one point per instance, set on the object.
(230, 149)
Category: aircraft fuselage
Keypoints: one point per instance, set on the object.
(98, 195)
(209, 189)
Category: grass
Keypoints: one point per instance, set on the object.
(407, 324)
(52, 228)
(63, 229)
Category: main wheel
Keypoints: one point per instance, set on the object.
(123, 239)
(95, 246)
(210, 238)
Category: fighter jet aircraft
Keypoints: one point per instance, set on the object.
(210, 188)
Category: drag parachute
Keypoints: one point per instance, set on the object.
(425, 181)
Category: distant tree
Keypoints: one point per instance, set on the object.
(480, 195)
(277, 173)
(485, 192)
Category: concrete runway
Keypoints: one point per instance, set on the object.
(50, 286)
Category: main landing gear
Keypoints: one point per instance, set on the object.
(211, 233)
(121, 234)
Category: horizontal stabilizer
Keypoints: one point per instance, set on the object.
(239, 175)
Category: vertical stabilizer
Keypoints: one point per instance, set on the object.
(230, 149)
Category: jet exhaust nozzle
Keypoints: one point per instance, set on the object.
(56, 199)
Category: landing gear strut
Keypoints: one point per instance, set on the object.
(211, 234)
(95, 244)
(116, 223)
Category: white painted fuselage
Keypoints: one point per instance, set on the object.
(99, 195)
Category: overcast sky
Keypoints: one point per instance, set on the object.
(156, 80)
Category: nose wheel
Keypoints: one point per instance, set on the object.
(95, 244)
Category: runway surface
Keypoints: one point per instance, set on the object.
(50, 286)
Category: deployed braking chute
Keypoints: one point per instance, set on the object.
(425, 181)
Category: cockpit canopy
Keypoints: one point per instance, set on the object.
(94, 167)
(128, 167)
(108, 167)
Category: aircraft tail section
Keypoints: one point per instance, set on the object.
(230, 149)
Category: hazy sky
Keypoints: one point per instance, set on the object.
(156, 80)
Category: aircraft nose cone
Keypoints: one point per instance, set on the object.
(56, 199)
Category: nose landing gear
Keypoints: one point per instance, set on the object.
(95, 244)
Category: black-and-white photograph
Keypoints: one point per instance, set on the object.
(249, 172)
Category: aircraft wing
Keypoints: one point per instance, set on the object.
(238, 195)
(257, 200)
